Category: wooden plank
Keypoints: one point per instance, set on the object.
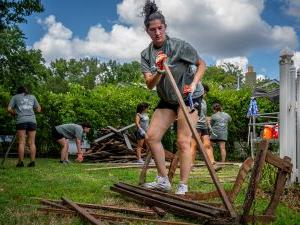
(211, 170)
(142, 178)
(179, 198)
(53, 204)
(243, 172)
(276, 161)
(200, 196)
(262, 219)
(159, 211)
(117, 218)
(154, 202)
(136, 211)
(127, 141)
(113, 129)
(82, 212)
(178, 202)
(254, 180)
(281, 179)
(173, 166)
(112, 133)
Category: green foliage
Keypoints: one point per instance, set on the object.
(13, 12)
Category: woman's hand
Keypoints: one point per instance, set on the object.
(159, 62)
(189, 89)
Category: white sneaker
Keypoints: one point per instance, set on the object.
(161, 183)
(140, 161)
(182, 189)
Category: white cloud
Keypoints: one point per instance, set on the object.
(219, 29)
(261, 77)
(240, 62)
(292, 8)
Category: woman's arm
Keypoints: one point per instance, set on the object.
(11, 111)
(137, 121)
(152, 79)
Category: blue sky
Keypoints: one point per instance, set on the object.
(252, 31)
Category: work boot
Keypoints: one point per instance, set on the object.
(182, 189)
(161, 183)
(20, 164)
(31, 164)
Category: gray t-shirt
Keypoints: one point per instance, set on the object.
(219, 126)
(24, 105)
(70, 130)
(182, 58)
(202, 124)
(144, 121)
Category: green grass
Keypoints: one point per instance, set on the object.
(52, 180)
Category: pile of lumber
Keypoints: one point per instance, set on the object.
(101, 214)
(113, 146)
(176, 205)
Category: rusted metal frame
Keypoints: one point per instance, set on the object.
(254, 180)
(211, 170)
(179, 198)
(176, 210)
(172, 201)
(82, 212)
(116, 218)
(173, 166)
(281, 179)
(276, 161)
(136, 211)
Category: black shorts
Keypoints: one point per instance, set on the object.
(203, 132)
(28, 126)
(217, 140)
(56, 135)
(166, 105)
(139, 136)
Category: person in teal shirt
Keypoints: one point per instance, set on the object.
(23, 106)
(219, 128)
(187, 69)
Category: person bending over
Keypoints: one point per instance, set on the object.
(62, 133)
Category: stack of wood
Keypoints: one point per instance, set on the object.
(113, 146)
(101, 214)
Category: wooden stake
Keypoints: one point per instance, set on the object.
(211, 170)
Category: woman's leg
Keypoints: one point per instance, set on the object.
(140, 144)
(160, 122)
(21, 144)
(223, 150)
(31, 143)
(208, 148)
(184, 144)
(64, 148)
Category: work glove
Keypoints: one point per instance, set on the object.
(159, 62)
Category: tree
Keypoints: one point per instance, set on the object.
(13, 12)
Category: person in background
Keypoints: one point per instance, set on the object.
(23, 106)
(203, 131)
(62, 133)
(142, 123)
(219, 128)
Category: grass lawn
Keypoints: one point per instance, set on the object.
(52, 180)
